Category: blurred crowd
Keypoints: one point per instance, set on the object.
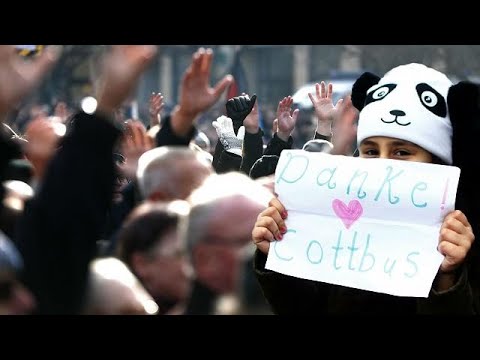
(103, 213)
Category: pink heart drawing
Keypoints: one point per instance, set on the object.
(348, 214)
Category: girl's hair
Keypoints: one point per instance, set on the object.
(437, 160)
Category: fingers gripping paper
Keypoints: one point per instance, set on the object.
(371, 224)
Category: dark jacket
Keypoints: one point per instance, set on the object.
(166, 137)
(202, 300)
(252, 151)
(290, 295)
(58, 232)
(223, 161)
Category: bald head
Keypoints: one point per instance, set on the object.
(218, 230)
(114, 290)
(169, 172)
(224, 209)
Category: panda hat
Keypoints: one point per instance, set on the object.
(419, 104)
(410, 103)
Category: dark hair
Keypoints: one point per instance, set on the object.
(437, 160)
(318, 145)
(144, 229)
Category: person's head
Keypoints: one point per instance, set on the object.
(264, 166)
(15, 299)
(318, 145)
(114, 290)
(202, 141)
(218, 229)
(150, 245)
(121, 180)
(202, 152)
(171, 172)
(404, 115)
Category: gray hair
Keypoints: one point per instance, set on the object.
(216, 189)
(159, 168)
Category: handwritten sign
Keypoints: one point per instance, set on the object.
(370, 224)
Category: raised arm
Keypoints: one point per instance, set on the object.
(325, 111)
(60, 227)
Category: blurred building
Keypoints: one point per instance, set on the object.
(270, 71)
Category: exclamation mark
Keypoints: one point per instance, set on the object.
(444, 195)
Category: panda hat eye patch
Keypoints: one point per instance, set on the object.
(379, 93)
(432, 100)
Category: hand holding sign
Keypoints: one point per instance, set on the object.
(456, 238)
(376, 222)
(270, 225)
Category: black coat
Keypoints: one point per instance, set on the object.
(58, 232)
(289, 295)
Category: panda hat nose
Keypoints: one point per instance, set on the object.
(397, 113)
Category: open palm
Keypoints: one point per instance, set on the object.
(286, 119)
(196, 94)
(121, 70)
(322, 102)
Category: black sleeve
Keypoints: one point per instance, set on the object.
(217, 154)
(227, 162)
(252, 150)
(288, 295)
(58, 232)
(458, 300)
(322, 137)
(165, 136)
(276, 145)
(202, 300)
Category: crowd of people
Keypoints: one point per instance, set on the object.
(106, 215)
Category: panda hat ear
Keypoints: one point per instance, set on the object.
(464, 108)
(360, 87)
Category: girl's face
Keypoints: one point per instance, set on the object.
(389, 148)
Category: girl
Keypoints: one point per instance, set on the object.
(414, 114)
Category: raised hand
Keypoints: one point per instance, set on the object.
(324, 109)
(156, 105)
(286, 120)
(251, 122)
(61, 112)
(239, 107)
(134, 143)
(43, 139)
(345, 128)
(122, 68)
(19, 77)
(196, 94)
(270, 225)
(226, 134)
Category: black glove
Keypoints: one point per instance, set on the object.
(238, 108)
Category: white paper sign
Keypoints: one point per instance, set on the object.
(371, 224)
